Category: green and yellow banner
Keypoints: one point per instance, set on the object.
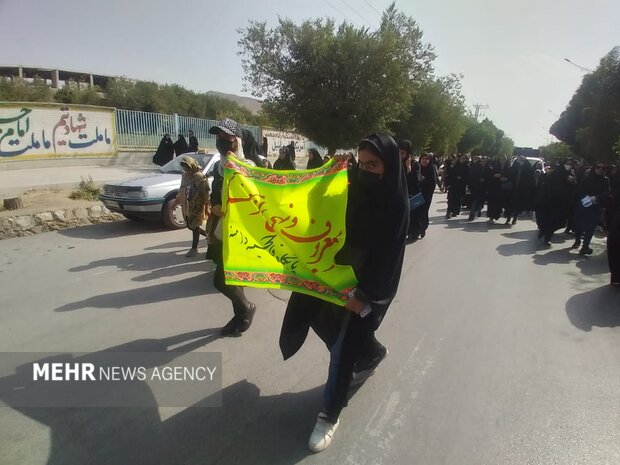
(282, 229)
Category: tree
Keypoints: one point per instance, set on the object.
(335, 84)
(20, 90)
(556, 151)
(590, 125)
(437, 116)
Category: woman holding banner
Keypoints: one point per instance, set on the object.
(377, 222)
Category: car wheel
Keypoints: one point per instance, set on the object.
(172, 216)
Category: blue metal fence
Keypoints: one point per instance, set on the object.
(144, 130)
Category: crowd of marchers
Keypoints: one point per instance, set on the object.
(564, 195)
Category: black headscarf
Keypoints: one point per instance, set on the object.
(165, 151)
(314, 159)
(180, 146)
(250, 147)
(377, 222)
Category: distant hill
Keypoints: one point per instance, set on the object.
(250, 103)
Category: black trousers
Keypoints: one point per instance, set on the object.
(235, 293)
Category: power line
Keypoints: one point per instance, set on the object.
(375, 10)
(345, 16)
(358, 14)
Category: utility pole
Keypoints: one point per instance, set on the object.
(478, 107)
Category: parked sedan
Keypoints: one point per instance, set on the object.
(152, 196)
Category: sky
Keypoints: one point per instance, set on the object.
(511, 54)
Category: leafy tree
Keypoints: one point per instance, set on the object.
(20, 90)
(335, 84)
(437, 116)
(556, 151)
(590, 125)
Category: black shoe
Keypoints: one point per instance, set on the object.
(576, 244)
(422, 234)
(368, 365)
(585, 251)
(514, 221)
(231, 328)
(246, 320)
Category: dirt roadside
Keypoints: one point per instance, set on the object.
(52, 210)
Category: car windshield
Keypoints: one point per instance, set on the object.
(174, 165)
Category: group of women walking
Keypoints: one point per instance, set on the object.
(562, 196)
(381, 218)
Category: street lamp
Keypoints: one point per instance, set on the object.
(580, 67)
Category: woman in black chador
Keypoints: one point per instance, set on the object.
(596, 187)
(553, 204)
(165, 151)
(494, 190)
(428, 182)
(314, 159)
(458, 178)
(479, 175)
(377, 220)
(180, 146)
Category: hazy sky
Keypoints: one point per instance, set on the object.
(510, 53)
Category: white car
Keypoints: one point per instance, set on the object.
(151, 196)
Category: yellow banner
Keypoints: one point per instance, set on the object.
(282, 229)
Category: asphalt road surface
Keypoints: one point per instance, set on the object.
(501, 352)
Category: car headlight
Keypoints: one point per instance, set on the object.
(141, 194)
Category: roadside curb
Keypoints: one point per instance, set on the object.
(36, 223)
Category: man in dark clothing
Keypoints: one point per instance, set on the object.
(228, 141)
(193, 142)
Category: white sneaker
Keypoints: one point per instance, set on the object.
(323, 433)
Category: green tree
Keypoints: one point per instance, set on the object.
(335, 84)
(437, 116)
(556, 151)
(590, 125)
(20, 90)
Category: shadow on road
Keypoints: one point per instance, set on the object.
(247, 429)
(599, 307)
(189, 287)
(115, 229)
(595, 264)
(144, 262)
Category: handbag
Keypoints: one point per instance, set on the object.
(416, 201)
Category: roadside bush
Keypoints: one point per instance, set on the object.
(87, 190)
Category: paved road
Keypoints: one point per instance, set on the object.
(501, 352)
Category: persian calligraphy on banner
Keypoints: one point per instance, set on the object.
(282, 229)
(55, 130)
